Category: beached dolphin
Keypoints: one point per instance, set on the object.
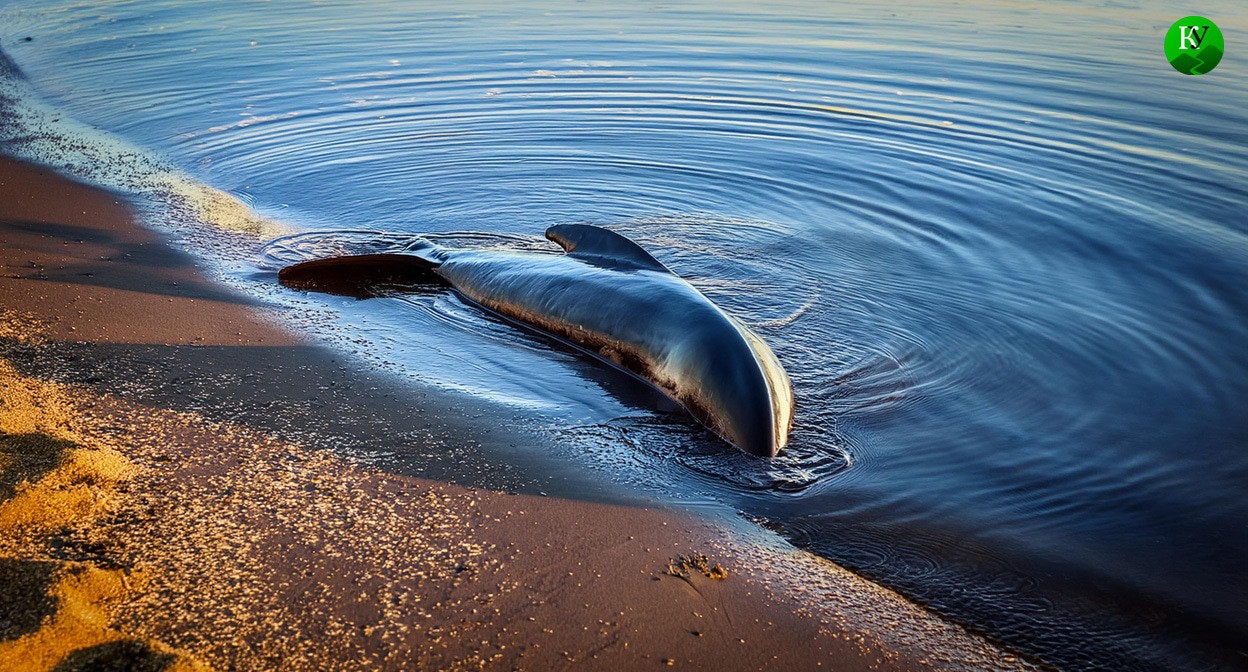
(609, 296)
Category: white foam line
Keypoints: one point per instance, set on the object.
(876, 619)
(33, 130)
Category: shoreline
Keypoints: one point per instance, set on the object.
(223, 425)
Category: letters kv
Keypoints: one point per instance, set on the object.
(1190, 37)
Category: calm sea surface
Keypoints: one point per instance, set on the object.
(1001, 248)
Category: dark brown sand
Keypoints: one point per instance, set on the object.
(174, 495)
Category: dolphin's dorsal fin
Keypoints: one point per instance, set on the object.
(603, 247)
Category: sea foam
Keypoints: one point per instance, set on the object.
(34, 130)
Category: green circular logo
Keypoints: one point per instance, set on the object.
(1194, 45)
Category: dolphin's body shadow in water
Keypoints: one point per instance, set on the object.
(610, 297)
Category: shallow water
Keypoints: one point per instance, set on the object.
(1002, 250)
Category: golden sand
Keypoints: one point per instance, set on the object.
(229, 535)
(53, 480)
(50, 478)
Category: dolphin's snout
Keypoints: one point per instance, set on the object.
(749, 417)
(744, 392)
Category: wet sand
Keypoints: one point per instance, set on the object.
(176, 492)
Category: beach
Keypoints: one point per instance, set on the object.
(1004, 285)
(148, 518)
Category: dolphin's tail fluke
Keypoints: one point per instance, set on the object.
(367, 275)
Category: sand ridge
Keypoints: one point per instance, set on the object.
(55, 483)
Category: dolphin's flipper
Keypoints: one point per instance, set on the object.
(362, 276)
(603, 247)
